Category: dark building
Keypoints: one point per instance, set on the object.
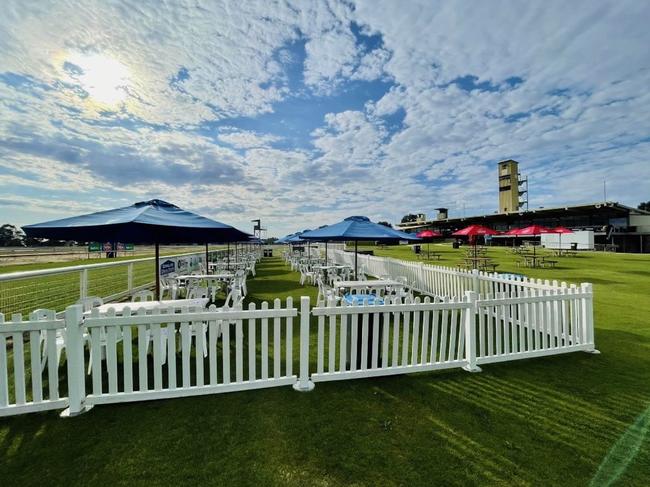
(626, 229)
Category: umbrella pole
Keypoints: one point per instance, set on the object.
(206, 258)
(355, 260)
(325, 252)
(158, 271)
(228, 257)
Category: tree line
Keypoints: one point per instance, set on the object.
(13, 236)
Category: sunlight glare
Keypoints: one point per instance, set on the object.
(103, 77)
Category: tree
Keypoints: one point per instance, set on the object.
(409, 218)
(11, 236)
(644, 206)
(386, 224)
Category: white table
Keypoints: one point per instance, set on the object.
(327, 267)
(220, 276)
(151, 305)
(367, 284)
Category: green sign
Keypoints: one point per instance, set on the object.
(94, 247)
(129, 247)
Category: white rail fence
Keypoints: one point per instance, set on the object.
(142, 355)
(22, 292)
(442, 281)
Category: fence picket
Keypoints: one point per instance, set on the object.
(4, 376)
(35, 359)
(332, 338)
(343, 346)
(127, 359)
(265, 344)
(277, 349)
(252, 343)
(364, 341)
(415, 339)
(289, 340)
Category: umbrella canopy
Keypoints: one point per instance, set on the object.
(533, 230)
(296, 237)
(357, 228)
(561, 230)
(513, 232)
(153, 221)
(428, 234)
(474, 231)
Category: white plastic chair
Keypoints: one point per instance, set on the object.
(142, 296)
(198, 292)
(170, 286)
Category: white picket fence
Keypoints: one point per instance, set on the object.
(443, 281)
(162, 354)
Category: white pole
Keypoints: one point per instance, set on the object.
(75, 357)
(304, 384)
(470, 333)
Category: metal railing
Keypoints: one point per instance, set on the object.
(56, 288)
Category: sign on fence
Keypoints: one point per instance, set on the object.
(94, 247)
(167, 267)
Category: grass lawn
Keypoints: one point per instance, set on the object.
(549, 421)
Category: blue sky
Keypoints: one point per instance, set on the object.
(302, 113)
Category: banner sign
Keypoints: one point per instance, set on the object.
(94, 247)
(167, 267)
(108, 247)
(129, 247)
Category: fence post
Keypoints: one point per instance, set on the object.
(475, 283)
(74, 350)
(129, 277)
(83, 284)
(470, 332)
(304, 384)
(587, 303)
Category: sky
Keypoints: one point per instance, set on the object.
(304, 113)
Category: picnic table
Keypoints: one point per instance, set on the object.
(433, 255)
(175, 304)
(537, 260)
(564, 252)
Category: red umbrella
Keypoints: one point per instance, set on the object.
(534, 230)
(513, 231)
(475, 230)
(428, 234)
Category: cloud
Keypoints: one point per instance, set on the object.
(306, 113)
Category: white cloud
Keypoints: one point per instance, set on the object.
(567, 97)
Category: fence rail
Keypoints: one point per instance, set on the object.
(442, 281)
(56, 288)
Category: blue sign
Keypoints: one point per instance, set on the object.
(167, 267)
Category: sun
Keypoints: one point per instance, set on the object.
(104, 78)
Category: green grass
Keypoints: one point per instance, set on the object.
(548, 421)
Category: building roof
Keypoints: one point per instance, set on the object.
(532, 213)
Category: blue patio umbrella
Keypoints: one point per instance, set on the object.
(154, 221)
(357, 228)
